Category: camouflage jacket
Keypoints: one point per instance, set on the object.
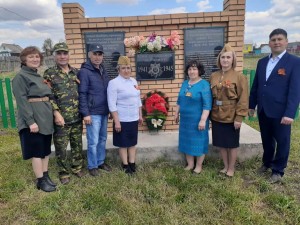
(65, 92)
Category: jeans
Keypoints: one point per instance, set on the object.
(96, 140)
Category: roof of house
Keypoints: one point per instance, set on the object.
(12, 47)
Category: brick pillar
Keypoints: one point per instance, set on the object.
(73, 15)
(235, 10)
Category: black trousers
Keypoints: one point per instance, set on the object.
(276, 139)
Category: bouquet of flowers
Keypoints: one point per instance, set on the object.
(155, 109)
(153, 43)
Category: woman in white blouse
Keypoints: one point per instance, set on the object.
(125, 105)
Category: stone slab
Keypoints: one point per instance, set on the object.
(152, 146)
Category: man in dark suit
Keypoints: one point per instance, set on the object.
(276, 93)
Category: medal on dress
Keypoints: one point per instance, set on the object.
(188, 94)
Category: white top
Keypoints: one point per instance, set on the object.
(272, 63)
(124, 97)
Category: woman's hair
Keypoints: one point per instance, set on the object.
(195, 63)
(28, 51)
(227, 48)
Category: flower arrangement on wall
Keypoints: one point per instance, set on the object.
(153, 43)
(155, 109)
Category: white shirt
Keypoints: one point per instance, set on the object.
(272, 63)
(124, 97)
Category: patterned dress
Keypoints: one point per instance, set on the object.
(193, 99)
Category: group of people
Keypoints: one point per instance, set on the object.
(59, 101)
(224, 101)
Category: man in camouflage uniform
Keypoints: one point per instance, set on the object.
(62, 79)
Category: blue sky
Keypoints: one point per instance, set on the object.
(33, 22)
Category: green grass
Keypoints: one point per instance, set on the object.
(160, 193)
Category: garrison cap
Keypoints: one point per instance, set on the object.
(60, 47)
(123, 60)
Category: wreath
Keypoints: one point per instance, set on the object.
(155, 109)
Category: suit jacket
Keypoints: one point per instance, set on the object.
(279, 96)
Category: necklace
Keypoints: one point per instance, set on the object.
(190, 85)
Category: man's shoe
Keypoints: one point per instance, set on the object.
(94, 172)
(105, 167)
(64, 180)
(275, 178)
(80, 174)
(263, 169)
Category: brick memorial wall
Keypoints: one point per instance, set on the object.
(231, 20)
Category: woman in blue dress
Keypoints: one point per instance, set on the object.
(193, 107)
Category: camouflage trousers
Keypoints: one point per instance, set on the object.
(61, 137)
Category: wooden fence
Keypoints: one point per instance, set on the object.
(8, 109)
(12, 63)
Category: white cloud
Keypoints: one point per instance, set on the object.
(260, 24)
(16, 10)
(203, 5)
(124, 2)
(168, 11)
(31, 23)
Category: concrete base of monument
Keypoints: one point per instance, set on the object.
(164, 145)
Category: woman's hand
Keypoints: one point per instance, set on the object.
(140, 120)
(237, 125)
(202, 125)
(34, 128)
(118, 126)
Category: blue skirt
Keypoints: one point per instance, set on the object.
(128, 135)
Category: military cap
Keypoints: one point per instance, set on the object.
(95, 48)
(123, 60)
(60, 47)
(227, 48)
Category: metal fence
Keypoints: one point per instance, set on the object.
(7, 104)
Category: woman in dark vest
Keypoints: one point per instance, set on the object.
(35, 116)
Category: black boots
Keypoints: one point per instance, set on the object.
(47, 178)
(132, 167)
(127, 169)
(44, 185)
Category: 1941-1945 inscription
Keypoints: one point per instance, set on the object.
(155, 66)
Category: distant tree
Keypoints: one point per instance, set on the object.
(47, 46)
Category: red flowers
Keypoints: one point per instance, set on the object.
(155, 109)
(155, 103)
